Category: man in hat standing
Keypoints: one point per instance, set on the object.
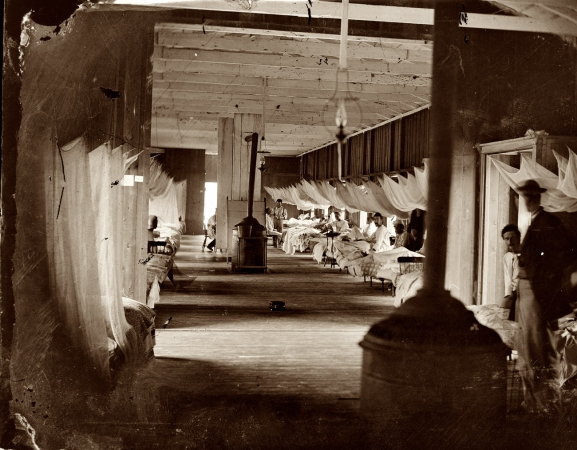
(279, 214)
(546, 253)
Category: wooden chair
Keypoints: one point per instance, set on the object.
(157, 247)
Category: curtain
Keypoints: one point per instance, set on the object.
(164, 194)
(106, 166)
(181, 189)
(406, 195)
(422, 176)
(86, 252)
(390, 199)
(74, 271)
(556, 198)
(567, 173)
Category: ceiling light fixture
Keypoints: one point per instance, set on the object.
(341, 100)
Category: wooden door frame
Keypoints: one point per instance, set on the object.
(525, 144)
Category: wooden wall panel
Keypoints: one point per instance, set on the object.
(224, 184)
(244, 125)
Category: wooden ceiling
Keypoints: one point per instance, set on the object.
(201, 73)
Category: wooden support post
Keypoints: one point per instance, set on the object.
(430, 361)
(224, 179)
(233, 168)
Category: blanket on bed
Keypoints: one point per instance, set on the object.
(371, 265)
(141, 318)
(298, 239)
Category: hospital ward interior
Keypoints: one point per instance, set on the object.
(278, 224)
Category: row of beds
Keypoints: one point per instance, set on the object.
(401, 271)
(159, 264)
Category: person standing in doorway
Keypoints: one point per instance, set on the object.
(279, 214)
(512, 237)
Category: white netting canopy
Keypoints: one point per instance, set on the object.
(561, 194)
(391, 198)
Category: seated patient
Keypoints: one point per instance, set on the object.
(322, 224)
(381, 236)
(269, 217)
(402, 238)
(369, 228)
(338, 225)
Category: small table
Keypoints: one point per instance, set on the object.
(332, 235)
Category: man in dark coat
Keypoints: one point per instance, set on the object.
(546, 253)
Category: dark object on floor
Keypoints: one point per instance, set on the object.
(277, 306)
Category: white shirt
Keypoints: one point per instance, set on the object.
(339, 226)
(369, 229)
(511, 268)
(381, 239)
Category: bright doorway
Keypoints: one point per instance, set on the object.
(209, 200)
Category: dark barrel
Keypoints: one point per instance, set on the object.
(435, 377)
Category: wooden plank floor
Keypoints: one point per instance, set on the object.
(310, 351)
(231, 374)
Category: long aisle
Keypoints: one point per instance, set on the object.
(224, 355)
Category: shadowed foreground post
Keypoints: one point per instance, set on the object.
(431, 373)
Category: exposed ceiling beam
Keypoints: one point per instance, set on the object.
(295, 73)
(278, 95)
(314, 48)
(287, 114)
(562, 3)
(559, 25)
(422, 64)
(389, 84)
(273, 101)
(319, 9)
(317, 90)
(397, 43)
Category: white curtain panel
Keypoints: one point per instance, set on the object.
(74, 267)
(390, 199)
(106, 166)
(163, 202)
(567, 174)
(555, 199)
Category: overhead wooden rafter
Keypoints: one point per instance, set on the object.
(201, 74)
(203, 71)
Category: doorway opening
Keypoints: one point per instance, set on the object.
(209, 200)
